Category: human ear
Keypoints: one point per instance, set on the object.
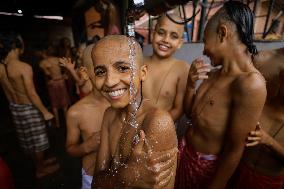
(143, 72)
(222, 32)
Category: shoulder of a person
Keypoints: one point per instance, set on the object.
(25, 66)
(250, 82)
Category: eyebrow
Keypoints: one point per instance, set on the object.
(97, 67)
(119, 62)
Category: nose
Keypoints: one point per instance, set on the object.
(166, 38)
(111, 80)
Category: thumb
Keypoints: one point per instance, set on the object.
(138, 148)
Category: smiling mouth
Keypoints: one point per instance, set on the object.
(163, 47)
(114, 94)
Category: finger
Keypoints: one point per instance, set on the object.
(163, 166)
(252, 143)
(203, 70)
(203, 77)
(169, 175)
(250, 138)
(162, 156)
(255, 133)
(138, 148)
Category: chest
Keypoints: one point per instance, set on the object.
(214, 99)
(161, 84)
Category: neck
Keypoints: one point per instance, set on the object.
(236, 61)
(11, 56)
(157, 59)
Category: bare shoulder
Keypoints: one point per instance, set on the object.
(181, 66)
(159, 129)
(250, 83)
(146, 59)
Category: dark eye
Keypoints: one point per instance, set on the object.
(160, 32)
(123, 69)
(174, 36)
(99, 72)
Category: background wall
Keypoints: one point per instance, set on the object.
(191, 51)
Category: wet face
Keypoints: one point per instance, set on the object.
(167, 38)
(112, 71)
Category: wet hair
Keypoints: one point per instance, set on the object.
(242, 18)
(8, 41)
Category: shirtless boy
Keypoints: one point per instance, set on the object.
(58, 94)
(28, 112)
(84, 121)
(263, 160)
(226, 106)
(81, 75)
(121, 163)
(166, 81)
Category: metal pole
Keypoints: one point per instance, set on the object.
(255, 5)
(271, 4)
(193, 19)
(202, 20)
(185, 24)
(150, 29)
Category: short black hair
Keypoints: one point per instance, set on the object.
(9, 40)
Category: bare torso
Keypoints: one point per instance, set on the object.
(211, 112)
(162, 81)
(16, 70)
(6, 85)
(89, 114)
(121, 135)
(261, 158)
(51, 68)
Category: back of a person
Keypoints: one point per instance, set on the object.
(16, 70)
(6, 85)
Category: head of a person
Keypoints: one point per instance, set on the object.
(232, 26)
(10, 41)
(116, 70)
(167, 37)
(65, 42)
(87, 60)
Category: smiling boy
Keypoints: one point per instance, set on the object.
(128, 152)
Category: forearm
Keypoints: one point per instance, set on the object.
(188, 99)
(75, 76)
(227, 165)
(175, 113)
(276, 147)
(79, 150)
(34, 98)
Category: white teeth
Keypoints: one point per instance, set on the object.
(163, 47)
(116, 93)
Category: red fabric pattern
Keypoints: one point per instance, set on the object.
(195, 169)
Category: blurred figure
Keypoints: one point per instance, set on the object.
(28, 112)
(58, 94)
(6, 179)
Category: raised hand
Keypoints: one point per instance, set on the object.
(198, 71)
(66, 63)
(148, 169)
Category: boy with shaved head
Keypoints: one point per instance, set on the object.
(226, 106)
(138, 141)
(166, 82)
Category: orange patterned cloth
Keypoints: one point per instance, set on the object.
(246, 178)
(194, 169)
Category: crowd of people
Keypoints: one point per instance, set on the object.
(123, 126)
